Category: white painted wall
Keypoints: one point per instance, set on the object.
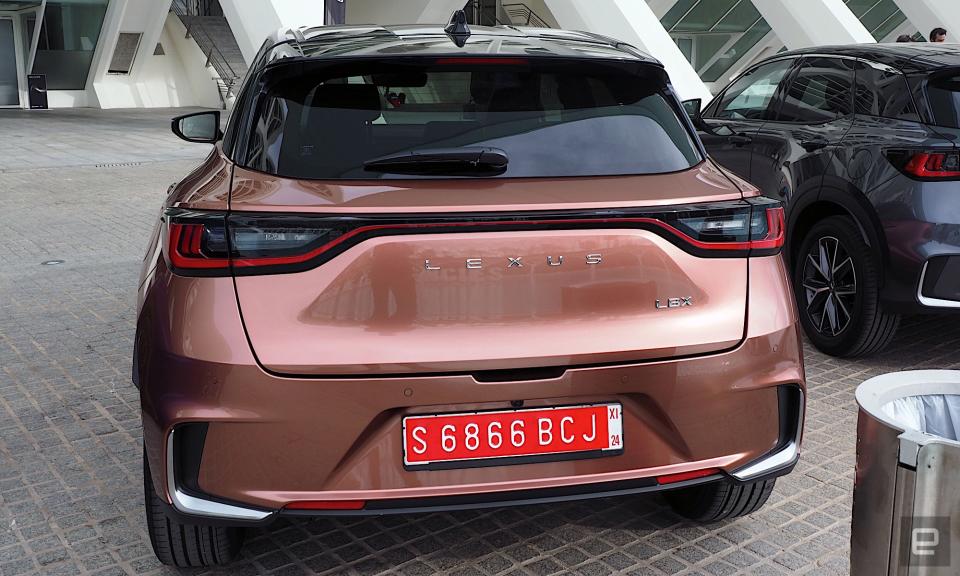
(401, 11)
(252, 21)
(178, 78)
(929, 14)
(801, 24)
(633, 22)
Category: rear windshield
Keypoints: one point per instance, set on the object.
(943, 94)
(550, 118)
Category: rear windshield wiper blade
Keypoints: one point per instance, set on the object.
(470, 161)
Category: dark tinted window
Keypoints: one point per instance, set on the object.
(943, 96)
(821, 91)
(552, 118)
(883, 92)
(750, 96)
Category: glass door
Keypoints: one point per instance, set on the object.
(9, 74)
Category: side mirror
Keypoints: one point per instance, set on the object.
(200, 127)
(692, 108)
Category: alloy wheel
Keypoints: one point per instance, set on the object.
(830, 286)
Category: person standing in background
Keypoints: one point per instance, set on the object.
(904, 38)
(938, 35)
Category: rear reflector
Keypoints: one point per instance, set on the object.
(327, 505)
(684, 476)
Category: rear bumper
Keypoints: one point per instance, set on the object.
(269, 441)
(192, 506)
(922, 231)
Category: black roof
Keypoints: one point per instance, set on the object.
(908, 57)
(431, 40)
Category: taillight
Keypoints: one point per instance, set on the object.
(927, 165)
(209, 244)
(197, 242)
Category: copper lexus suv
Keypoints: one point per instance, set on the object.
(434, 268)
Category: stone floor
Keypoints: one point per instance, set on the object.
(70, 476)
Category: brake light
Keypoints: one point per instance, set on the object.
(210, 244)
(469, 60)
(197, 241)
(927, 165)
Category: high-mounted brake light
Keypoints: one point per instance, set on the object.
(482, 61)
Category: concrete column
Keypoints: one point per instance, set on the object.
(813, 22)
(634, 22)
(253, 21)
(661, 7)
(929, 14)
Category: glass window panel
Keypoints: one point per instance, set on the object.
(740, 19)
(736, 52)
(9, 87)
(888, 27)
(674, 15)
(704, 15)
(880, 14)
(860, 7)
(750, 96)
(708, 45)
(68, 38)
(822, 91)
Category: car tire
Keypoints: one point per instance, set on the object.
(186, 545)
(843, 277)
(718, 501)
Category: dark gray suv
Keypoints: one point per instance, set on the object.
(860, 143)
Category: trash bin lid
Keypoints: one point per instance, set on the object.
(923, 401)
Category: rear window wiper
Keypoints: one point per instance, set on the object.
(469, 161)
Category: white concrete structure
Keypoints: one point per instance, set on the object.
(253, 20)
(813, 22)
(633, 22)
(153, 53)
(929, 14)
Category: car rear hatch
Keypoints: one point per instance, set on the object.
(550, 214)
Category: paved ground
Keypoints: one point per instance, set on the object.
(70, 479)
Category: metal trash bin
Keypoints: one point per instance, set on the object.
(906, 497)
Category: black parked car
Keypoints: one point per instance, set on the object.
(861, 144)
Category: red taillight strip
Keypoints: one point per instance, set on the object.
(457, 61)
(776, 231)
(684, 476)
(920, 165)
(188, 237)
(326, 505)
(765, 243)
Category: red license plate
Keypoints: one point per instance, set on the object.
(483, 438)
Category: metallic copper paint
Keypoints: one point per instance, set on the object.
(274, 440)
(254, 191)
(376, 309)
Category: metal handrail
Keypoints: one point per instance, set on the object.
(513, 14)
(190, 12)
(522, 12)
